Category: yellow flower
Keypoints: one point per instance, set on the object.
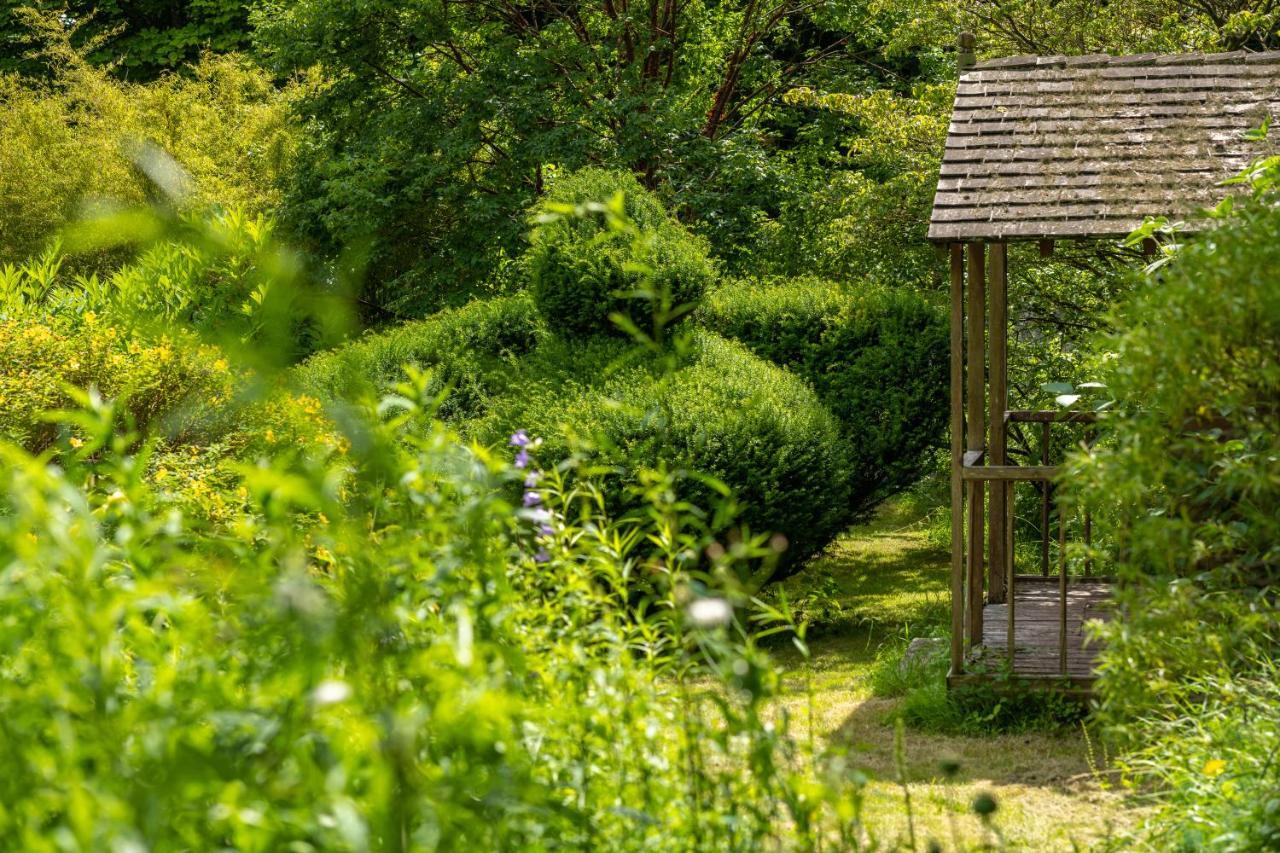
(1214, 767)
(75, 442)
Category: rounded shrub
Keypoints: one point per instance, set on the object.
(581, 272)
(727, 413)
(471, 349)
(876, 357)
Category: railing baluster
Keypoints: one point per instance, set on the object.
(1044, 501)
(1062, 591)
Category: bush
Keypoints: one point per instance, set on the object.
(39, 360)
(1187, 479)
(877, 358)
(73, 140)
(470, 349)
(579, 268)
(727, 414)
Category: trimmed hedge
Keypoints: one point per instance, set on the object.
(877, 358)
(729, 414)
(577, 267)
(472, 348)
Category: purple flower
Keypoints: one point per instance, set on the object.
(546, 529)
(532, 498)
(531, 481)
(522, 458)
(542, 556)
(519, 438)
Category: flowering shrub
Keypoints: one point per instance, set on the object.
(40, 359)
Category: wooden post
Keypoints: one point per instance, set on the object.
(976, 432)
(1062, 591)
(999, 371)
(957, 455)
(1045, 437)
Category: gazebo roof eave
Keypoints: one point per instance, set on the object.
(1062, 235)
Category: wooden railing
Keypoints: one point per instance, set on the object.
(998, 531)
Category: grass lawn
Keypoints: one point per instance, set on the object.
(888, 580)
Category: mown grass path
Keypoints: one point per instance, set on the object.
(890, 580)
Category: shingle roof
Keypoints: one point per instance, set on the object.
(1087, 146)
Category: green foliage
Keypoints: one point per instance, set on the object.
(725, 413)
(365, 644)
(1215, 763)
(582, 272)
(40, 359)
(1188, 478)
(137, 38)
(866, 216)
(77, 138)
(470, 350)
(436, 128)
(877, 358)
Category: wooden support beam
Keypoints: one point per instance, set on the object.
(957, 449)
(1050, 416)
(1046, 248)
(1005, 473)
(976, 431)
(999, 374)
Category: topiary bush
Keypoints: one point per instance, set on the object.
(877, 358)
(726, 413)
(471, 349)
(581, 272)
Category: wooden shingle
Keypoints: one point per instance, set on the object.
(1089, 146)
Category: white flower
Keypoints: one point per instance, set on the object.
(331, 692)
(710, 612)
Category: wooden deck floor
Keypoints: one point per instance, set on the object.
(1037, 628)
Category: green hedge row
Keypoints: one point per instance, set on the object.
(727, 413)
(876, 357)
(471, 349)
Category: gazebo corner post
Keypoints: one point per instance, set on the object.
(1001, 588)
(976, 433)
(957, 457)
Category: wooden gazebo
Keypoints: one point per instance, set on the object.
(1043, 149)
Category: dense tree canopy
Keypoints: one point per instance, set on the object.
(440, 123)
(141, 37)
